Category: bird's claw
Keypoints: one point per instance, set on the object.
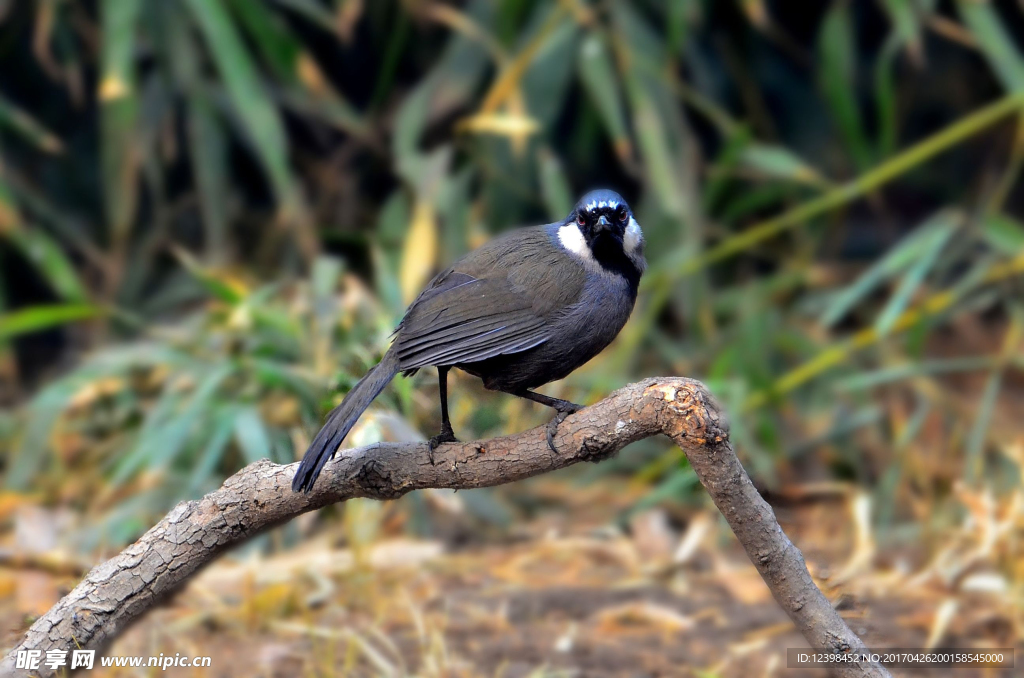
(445, 436)
(552, 427)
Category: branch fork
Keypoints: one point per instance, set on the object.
(116, 593)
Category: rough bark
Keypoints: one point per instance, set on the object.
(258, 497)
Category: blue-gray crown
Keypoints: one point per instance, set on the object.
(601, 199)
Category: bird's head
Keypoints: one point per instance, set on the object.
(602, 228)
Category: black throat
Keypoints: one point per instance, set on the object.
(609, 254)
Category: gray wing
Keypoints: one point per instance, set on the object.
(462, 319)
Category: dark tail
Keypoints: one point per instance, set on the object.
(341, 420)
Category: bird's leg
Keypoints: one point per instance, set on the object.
(447, 435)
(563, 407)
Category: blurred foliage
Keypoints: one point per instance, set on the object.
(830, 194)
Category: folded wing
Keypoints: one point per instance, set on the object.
(462, 319)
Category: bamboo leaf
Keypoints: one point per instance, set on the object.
(894, 262)
(885, 97)
(313, 11)
(987, 404)
(779, 162)
(328, 107)
(208, 148)
(674, 266)
(39, 318)
(10, 217)
(600, 79)
(888, 375)
(510, 78)
(655, 150)
(905, 23)
(170, 425)
(253, 106)
(721, 172)
(271, 37)
(251, 435)
(119, 109)
(554, 185)
(228, 290)
(392, 223)
(994, 42)
(51, 262)
(547, 82)
(216, 446)
(940, 302)
(1003, 233)
(420, 254)
(944, 226)
(892, 168)
(449, 84)
(24, 125)
(8, 367)
(838, 79)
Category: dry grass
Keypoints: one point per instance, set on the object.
(569, 593)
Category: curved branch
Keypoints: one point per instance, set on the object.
(259, 497)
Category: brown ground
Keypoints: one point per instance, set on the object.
(565, 593)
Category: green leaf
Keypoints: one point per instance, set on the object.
(251, 435)
(24, 125)
(390, 228)
(601, 82)
(839, 81)
(119, 108)
(904, 20)
(449, 85)
(982, 420)
(994, 41)
(554, 185)
(324, 278)
(208, 148)
(31, 450)
(271, 36)
(313, 11)
(51, 262)
(894, 262)
(885, 97)
(779, 162)
(1004, 233)
(655, 150)
(944, 226)
(273, 374)
(326, 106)
(546, 81)
(10, 216)
(214, 285)
(38, 318)
(213, 451)
(45, 409)
(251, 103)
(170, 424)
(887, 375)
(720, 175)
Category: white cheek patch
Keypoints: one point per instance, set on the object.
(572, 239)
(634, 237)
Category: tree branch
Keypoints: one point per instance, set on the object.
(259, 497)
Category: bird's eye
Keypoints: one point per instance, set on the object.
(622, 214)
(580, 219)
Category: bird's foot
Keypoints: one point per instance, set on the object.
(446, 435)
(564, 410)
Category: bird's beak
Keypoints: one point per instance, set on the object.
(604, 223)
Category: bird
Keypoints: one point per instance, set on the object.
(524, 309)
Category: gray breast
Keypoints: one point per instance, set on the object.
(578, 334)
(601, 312)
